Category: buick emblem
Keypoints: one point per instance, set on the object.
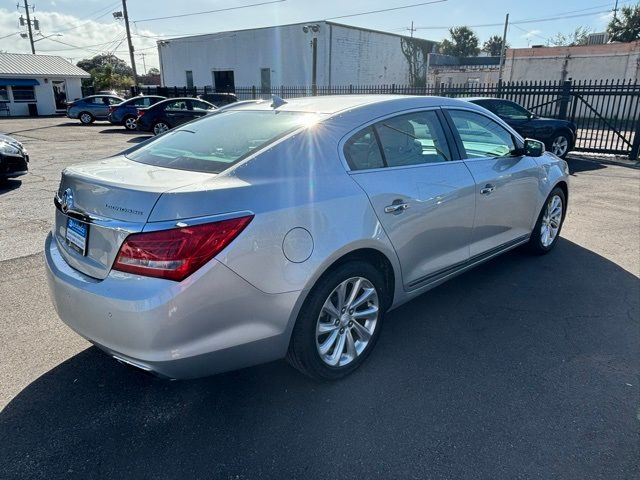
(67, 200)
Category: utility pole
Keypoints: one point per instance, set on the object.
(131, 54)
(503, 47)
(144, 63)
(314, 65)
(615, 12)
(412, 29)
(26, 8)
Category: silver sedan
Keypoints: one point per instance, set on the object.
(288, 228)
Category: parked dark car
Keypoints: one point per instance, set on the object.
(170, 113)
(125, 113)
(219, 99)
(92, 108)
(559, 136)
(14, 158)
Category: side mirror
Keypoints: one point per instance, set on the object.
(533, 148)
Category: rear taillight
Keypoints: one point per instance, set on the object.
(140, 113)
(177, 253)
(111, 109)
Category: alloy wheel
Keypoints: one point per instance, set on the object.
(551, 221)
(85, 118)
(130, 123)
(347, 321)
(160, 127)
(560, 145)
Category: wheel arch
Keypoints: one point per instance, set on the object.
(565, 189)
(371, 255)
(564, 130)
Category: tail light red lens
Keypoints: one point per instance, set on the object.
(140, 113)
(177, 253)
(111, 109)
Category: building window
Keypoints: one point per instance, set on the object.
(23, 94)
(189, 79)
(4, 94)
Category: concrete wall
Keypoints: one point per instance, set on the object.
(457, 76)
(589, 62)
(44, 97)
(346, 56)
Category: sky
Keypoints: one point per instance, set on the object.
(79, 29)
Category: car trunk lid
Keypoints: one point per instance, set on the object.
(100, 203)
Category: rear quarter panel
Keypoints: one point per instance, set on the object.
(299, 183)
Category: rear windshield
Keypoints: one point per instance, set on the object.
(219, 140)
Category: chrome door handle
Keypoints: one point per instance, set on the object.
(488, 188)
(396, 207)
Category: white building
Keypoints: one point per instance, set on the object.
(284, 55)
(44, 80)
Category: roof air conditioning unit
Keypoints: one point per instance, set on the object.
(598, 38)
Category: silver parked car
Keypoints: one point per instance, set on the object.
(92, 108)
(288, 229)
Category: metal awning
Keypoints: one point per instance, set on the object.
(18, 82)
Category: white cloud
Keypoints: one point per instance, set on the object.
(93, 38)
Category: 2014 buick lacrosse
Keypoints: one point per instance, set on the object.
(288, 228)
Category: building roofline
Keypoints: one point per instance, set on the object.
(328, 22)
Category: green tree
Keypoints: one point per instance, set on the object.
(462, 42)
(580, 36)
(105, 78)
(625, 27)
(118, 65)
(493, 46)
(108, 72)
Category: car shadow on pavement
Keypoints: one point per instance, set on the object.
(525, 367)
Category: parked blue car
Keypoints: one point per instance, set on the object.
(126, 112)
(92, 108)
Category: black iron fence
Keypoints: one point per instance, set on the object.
(607, 113)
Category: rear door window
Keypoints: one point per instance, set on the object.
(362, 151)
(413, 139)
(176, 106)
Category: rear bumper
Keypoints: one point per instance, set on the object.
(211, 322)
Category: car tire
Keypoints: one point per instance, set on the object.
(160, 127)
(549, 224)
(328, 346)
(560, 144)
(86, 118)
(129, 123)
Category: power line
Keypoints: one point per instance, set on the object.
(208, 11)
(386, 9)
(532, 20)
(11, 34)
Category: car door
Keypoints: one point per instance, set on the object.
(422, 196)
(506, 184)
(176, 113)
(514, 115)
(198, 109)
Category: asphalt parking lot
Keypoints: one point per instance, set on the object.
(526, 367)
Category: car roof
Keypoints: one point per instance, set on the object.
(166, 100)
(332, 104)
(481, 99)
